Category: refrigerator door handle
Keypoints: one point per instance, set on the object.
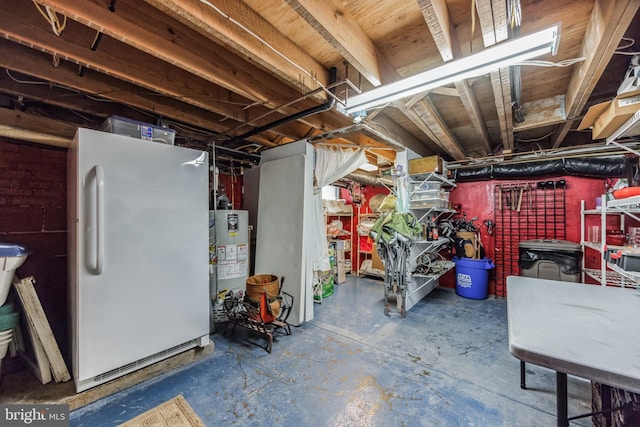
(99, 219)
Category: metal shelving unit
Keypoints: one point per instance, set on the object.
(609, 274)
(420, 285)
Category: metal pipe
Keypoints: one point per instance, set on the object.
(242, 154)
(305, 113)
(367, 179)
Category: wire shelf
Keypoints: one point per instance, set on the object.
(614, 278)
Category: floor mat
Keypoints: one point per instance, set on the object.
(175, 412)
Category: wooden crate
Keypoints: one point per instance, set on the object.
(426, 165)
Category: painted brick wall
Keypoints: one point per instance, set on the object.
(33, 214)
(478, 199)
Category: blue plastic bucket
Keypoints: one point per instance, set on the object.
(472, 277)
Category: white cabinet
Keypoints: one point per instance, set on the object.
(609, 273)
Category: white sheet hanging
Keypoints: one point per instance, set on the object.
(331, 164)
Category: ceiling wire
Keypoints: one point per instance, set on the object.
(52, 18)
(630, 43)
(264, 42)
(534, 139)
(564, 63)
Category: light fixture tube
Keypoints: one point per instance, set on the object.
(495, 57)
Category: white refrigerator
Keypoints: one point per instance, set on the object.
(138, 216)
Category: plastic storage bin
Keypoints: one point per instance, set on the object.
(472, 277)
(12, 256)
(550, 259)
(140, 130)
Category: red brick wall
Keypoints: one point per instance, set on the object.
(477, 199)
(33, 214)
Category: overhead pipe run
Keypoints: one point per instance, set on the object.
(367, 179)
(328, 105)
(35, 137)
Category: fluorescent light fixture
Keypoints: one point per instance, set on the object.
(368, 167)
(495, 57)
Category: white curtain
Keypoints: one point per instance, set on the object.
(331, 164)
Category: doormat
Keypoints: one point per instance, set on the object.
(175, 412)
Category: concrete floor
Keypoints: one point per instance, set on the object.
(446, 364)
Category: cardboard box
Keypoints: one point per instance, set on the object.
(605, 118)
(426, 165)
(376, 262)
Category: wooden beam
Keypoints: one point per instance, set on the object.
(130, 65)
(445, 91)
(334, 22)
(26, 26)
(38, 64)
(472, 106)
(427, 113)
(493, 22)
(402, 135)
(544, 112)
(226, 21)
(608, 22)
(149, 30)
(51, 93)
(31, 122)
(436, 15)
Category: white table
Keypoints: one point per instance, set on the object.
(588, 331)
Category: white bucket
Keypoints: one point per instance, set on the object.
(4, 346)
(8, 266)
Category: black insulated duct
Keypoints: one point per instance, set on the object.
(590, 167)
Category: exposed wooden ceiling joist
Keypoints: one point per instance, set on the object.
(443, 137)
(177, 82)
(608, 22)
(336, 25)
(540, 113)
(335, 28)
(147, 29)
(25, 26)
(226, 21)
(493, 22)
(437, 18)
(38, 64)
(225, 68)
(122, 62)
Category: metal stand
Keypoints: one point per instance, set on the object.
(395, 274)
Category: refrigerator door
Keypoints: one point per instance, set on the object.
(141, 252)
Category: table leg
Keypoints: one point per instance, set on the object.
(523, 374)
(561, 396)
